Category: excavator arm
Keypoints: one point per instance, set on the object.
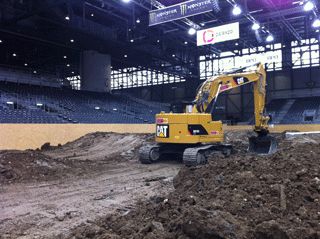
(209, 91)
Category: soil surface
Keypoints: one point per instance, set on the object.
(241, 197)
(47, 193)
(95, 187)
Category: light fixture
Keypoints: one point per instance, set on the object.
(255, 26)
(72, 72)
(270, 38)
(173, 55)
(39, 104)
(316, 23)
(308, 6)
(65, 57)
(92, 15)
(25, 64)
(97, 108)
(236, 44)
(202, 24)
(132, 40)
(14, 54)
(71, 40)
(186, 43)
(10, 103)
(317, 30)
(138, 20)
(125, 56)
(192, 31)
(34, 72)
(236, 10)
(67, 18)
(126, 1)
(0, 41)
(158, 40)
(68, 65)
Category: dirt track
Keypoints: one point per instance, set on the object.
(91, 177)
(96, 192)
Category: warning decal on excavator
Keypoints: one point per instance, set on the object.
(163, 131)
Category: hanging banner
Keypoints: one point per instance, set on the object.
(178, 11)
(218, 34)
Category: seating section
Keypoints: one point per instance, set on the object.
(20, 103)
(295, 111)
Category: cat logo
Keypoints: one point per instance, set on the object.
(163, 131)
(240, 80)
(183, 8)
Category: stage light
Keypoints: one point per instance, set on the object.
(255, 26)
(236, 10)
(308, 6)
(192, 31)
(270, 38)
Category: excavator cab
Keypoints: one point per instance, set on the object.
(262, 144)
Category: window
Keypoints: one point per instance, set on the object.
(305, 53)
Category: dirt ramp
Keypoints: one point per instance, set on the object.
(87, 155)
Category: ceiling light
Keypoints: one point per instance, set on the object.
(192, 31)
(173, 55)
(34, 72)
(14, 54)
(138, 20)
(92, 15)
(236, 44)
(236, 10)
(0, 41)
(317, 30)
(185, 42)
(308, 6)
(255, 26)
(158, 40)
(72, 72)
(126, 1)
(39, 104)
(132, 40)
(202, 24)
(270, 38)
(316, 23)
(71, 40)
(125, 56)
(10, 103)
(65, 57)
(68, 65)
(25, 64)
(67, 18)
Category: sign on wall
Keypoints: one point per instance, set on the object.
(218, 34)
(178, 11)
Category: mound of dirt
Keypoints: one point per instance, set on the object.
(90, 153)
(243, 196)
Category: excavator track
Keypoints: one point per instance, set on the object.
(199, 155)
(149, 154)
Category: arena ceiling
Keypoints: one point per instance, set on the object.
(48, 35)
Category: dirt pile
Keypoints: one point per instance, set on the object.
(243, 196)
(90, 153)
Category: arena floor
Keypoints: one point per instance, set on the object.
(94, 187)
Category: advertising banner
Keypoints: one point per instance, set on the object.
(178, 11)
(218, 34)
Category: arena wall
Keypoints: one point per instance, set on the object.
(32, 136)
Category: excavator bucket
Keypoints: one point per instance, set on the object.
(263, 145)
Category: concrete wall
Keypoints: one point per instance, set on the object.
(95, 71)
(32, 136)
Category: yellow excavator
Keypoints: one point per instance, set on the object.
(194, 135)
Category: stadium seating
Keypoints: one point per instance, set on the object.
(20, 103)
(295, 111)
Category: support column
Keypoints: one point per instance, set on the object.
(95, 70)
